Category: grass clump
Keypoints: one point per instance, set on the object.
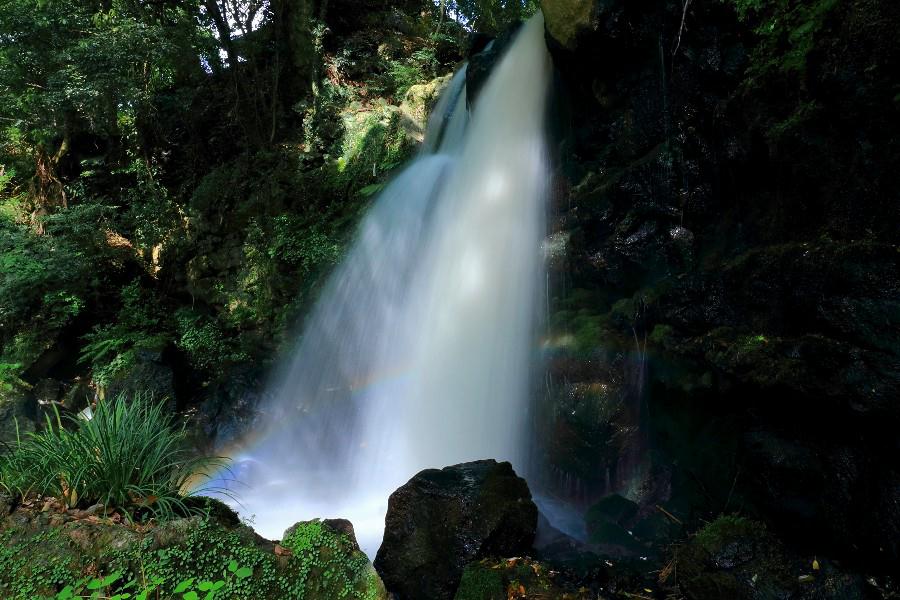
(129, 456)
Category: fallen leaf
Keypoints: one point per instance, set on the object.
(141, 501)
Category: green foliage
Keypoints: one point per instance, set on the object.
(374, 144)
(10, 199)
(45, 281)
(501, 579)
(212, 554)
(141, 324)
(130, 150)
(309, 250)
(787, 33)
(661, 334)
(328, 567)
(31, 567)
(137, 573)
(128, 455)
(419, 67)
(188, 589)
(100, 61)
(201, 559)
(480, 582)
(206, 344)
(491, 16)
(9, 376)
(153, 217)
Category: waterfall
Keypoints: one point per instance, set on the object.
(420, 351)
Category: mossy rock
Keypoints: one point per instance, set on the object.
(375, 142)
(42, 553)
(331, 563)
(566, 20)
(417, 104)
(733, 557)
(443, 519)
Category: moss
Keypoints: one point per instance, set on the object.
(502, 579)
(325, 565)
(480, 582)
(330, 565)
(734, 557)
(374, 144)
(719, 532)
(32, 566)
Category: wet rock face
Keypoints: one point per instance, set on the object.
(443, 519)
(745, 256)
(231, 408)
(484, 54)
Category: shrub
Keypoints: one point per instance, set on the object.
(128, 455)
(141, 324)
(208, 346)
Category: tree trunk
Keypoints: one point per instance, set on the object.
(46, 191)
(297, 58)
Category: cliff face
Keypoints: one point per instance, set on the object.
(726, 298)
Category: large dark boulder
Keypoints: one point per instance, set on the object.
(443, 519)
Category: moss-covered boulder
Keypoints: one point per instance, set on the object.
(734, 557)
(566, 20)
(45, 548)
(331, 564)
(609, 525)
(441, 520)
(417, 104)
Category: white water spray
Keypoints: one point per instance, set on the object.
(421, 349)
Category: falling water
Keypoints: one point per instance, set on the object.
(419, 353)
